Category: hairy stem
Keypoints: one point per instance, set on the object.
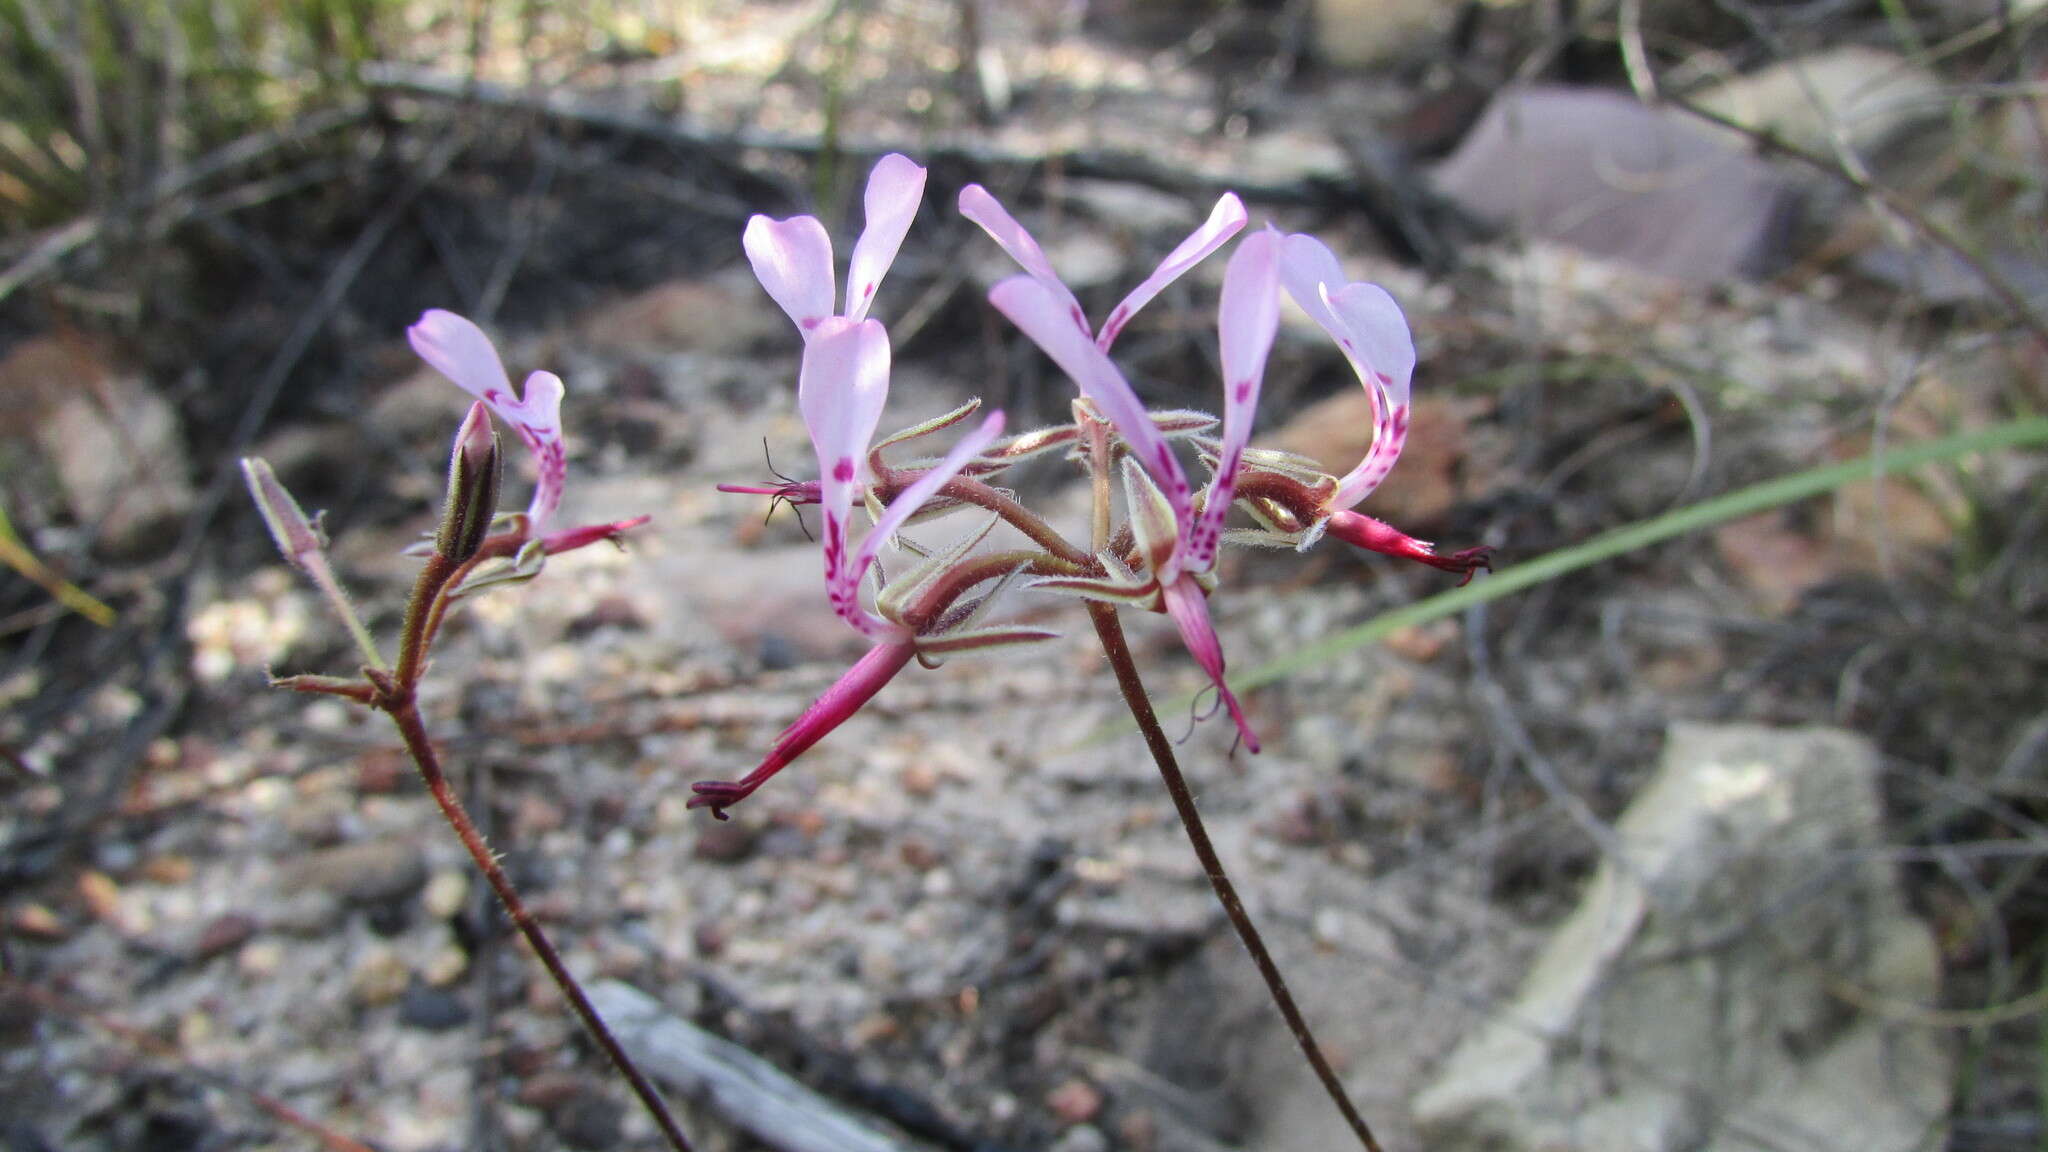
(1111, 631)
(404, 712)
(419, 611)
(1023, 519)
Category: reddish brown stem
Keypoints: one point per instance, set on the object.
(1111, 632)
(404, 712)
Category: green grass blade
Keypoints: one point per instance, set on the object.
(16, 555)
(1691, 518)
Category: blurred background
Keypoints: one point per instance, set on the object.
(1724, 832)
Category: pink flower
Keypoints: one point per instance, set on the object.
(842, 385)
(1178, 543)
(459, 350)
(1368, 326)
(840, 388)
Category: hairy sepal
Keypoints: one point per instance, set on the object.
(935, 424)
(1180, 423)
(523, 566)
(1152, 517)
(1121, 586)
(978, 640)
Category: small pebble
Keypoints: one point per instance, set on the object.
(446, 892)
(103, 897)
(1075, 1102)
(435, 1010)
(223, 933)
(551, 1088)
(260, 959)
(590, 1121)
(379, 976)
(1082, 1138)
(726, 842)
(445, 967)
(167, 870)
(37, 922)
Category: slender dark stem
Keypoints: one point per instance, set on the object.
(1111, 631)
(405, 713)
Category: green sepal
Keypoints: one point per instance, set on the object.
(897, 595)
(1152, 517)
(935, 424)
(523, 566)
(980, 640)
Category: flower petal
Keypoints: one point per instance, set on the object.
(1224, 221)
(979, 206)
(1385, 363)
(1041, 315)
(894, 189)
(1306, 265)
(1247, 320)
(793, 260)
(459, 350)
(1380, 331)
(841, 386)
(854, 688)
(1370, 329)
(538, 421)
(1190, 611)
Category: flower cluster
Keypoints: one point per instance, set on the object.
(1164, 556)
(474, 548)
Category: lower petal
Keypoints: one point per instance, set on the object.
(843, 699)
(1189, 608)
(1382, 537)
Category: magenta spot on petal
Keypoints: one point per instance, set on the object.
(843, 471)
(1080, 318)
(1244, 391)
(1386, 381)
(869, 289)
(808, 322)
(1347, 344)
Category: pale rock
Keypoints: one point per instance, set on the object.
(446, 892)
(1868, 95)
(364, 872)
(1688, 1001)
(1082, 1138)
(1649, 188)
(378, 976)
(112, 442)
(1358, 33)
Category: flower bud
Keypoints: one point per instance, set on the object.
(475, 469)
(296, 537)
